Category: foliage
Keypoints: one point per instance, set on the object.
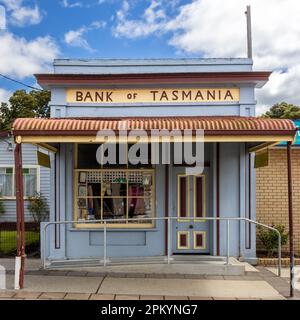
(34, 104)
(283, 110)
(269, 238)
(8, 240)
(38, 207)
(2, 209)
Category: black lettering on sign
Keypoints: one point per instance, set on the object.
(79, 96)
(199, 95)
(228, 94)
(108, 96)
(187, 95)
(175, 95)
(99, 96)
(154, 92)
(88, 96)
(164, 96)
(211, 94)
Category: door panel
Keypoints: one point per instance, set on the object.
(191, 201)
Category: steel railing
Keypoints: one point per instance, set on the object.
(169, 220)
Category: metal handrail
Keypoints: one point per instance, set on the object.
(169, 219)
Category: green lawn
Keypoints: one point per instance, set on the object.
(8, 240)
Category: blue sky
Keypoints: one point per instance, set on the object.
(33, 33)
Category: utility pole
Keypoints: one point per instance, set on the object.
(249, 32)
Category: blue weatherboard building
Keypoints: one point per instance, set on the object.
(128, 204)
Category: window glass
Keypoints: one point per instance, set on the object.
(115, 195)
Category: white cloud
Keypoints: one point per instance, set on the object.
(2, 18)
(217, 28)
(21, 15)
(4, 95)
(153, 19)
(67, 4)
(21, 58)
(75, 38)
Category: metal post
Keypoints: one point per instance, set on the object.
(169, 240)
(228, 244)
(279, 254)
(249, 32)
(104, 245)
(290, 208)
(20, 259)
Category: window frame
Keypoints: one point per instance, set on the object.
(100, 225)
(38, 179)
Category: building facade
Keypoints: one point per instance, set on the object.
(36, 178)
(133, 201)
(271, 191)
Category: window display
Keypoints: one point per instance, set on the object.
(115, 195)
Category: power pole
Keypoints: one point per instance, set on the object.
(249, 32)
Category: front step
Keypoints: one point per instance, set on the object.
(185, 265)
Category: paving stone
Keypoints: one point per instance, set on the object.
(116, 275)
(194, 276)
(176, 298)
(200, 298)
(27, 295)
(96, 274)
(102, 297)
(214, 277)
(126, 297)
(57, 273)
(77, 296)
(224, 298)
(150, 297)
(238, 278)
(135, 275)
(77, 273)
(175, 276)
(156, 276)
(7, 294)
(52, 295)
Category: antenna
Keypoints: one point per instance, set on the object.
(249, 32)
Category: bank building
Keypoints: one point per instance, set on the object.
(105, 213)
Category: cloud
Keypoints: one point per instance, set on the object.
(2, 18)
(67, 4)
(153, 19)
(21, 15)
(22, 58)
(217, 28)
(4, 95)
(75, 38)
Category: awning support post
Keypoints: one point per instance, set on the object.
(290, 209)
(20, 259)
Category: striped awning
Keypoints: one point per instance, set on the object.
(282, 129)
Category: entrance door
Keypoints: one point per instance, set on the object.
(190, 236)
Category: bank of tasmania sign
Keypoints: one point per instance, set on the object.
(153, 95)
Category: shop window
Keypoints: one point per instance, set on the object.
(114, 196)
(7, 182)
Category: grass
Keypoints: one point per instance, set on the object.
(8, 240)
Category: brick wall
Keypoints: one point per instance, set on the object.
(271, 193)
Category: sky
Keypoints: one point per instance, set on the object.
(33, 33)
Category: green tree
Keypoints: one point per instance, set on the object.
(22, 104)
(283, 110)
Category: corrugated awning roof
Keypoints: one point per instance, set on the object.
(211, 125)
(216, 129)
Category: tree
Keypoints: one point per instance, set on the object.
(283, 110)
(22, 104)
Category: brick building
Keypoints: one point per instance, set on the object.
(272, 192)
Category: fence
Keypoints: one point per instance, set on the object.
(8, 238)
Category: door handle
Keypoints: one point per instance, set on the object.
(191, 226)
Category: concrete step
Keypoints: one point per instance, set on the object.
(192, 265)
